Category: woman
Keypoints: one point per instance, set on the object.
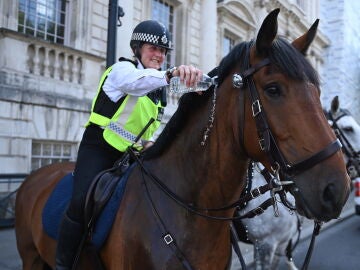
(128, 98)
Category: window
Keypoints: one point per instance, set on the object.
(228, 44)
(47, 152)
(301, 4)
(44, 19)
(164, 13)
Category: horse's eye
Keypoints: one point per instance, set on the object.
(348, 129)
(273, 91)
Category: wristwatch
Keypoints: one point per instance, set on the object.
(169, 72)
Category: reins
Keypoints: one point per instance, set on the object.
(197, 210)
(316, 231)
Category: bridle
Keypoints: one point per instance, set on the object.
(353, 163)
(266, 139)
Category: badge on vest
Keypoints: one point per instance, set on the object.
(160, 114)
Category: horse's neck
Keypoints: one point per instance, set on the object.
(208, 174)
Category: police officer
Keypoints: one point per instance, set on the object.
(125, 102)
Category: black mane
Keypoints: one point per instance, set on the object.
(283, 55)
(188, 104)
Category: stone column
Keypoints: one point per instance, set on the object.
(208, 40)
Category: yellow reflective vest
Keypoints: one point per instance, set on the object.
(128, 121)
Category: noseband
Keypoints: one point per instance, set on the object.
(353, 164)
(266, 139)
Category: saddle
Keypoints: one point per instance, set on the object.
(102, 188)
(99, 193)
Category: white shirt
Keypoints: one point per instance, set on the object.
(125, 78)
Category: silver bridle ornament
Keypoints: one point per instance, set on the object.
(237, 81)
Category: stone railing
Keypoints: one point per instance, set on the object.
(55, 63)
(47, 64)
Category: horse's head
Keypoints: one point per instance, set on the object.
(293, 135)
(348, 132)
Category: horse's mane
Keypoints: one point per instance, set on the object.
(283, 55)
(188, 104)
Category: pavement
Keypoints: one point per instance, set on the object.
(10, 260)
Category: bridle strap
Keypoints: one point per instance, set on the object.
(306, 164)
(353, 156)
(316, 231)
(347, 147)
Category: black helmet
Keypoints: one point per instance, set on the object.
(152, 32)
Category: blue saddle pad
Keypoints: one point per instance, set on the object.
(59, 199)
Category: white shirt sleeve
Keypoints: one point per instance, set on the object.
(125, 78)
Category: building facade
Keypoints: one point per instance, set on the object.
(53, 54)
(341, 72)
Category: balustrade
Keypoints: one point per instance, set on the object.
(54, 63)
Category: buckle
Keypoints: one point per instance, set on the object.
(168, 239)
(258, 211)
(256, 108)
(262, 144)
(255, 193)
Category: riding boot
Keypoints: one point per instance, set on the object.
(69, 239)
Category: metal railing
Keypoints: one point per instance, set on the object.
(9, 184)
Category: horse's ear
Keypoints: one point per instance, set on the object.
(267, 33)
(335, 104)
(303, 43)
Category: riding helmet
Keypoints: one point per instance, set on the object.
(151, 32)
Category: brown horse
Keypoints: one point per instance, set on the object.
(165, 220)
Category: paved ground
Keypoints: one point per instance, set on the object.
(10, 260)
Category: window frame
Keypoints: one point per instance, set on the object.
(39, 10)
(43, 157)
(170, 25)
(233, 41)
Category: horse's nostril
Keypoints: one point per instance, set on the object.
(329, 193)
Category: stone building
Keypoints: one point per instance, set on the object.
(52, 54)
(341, 72)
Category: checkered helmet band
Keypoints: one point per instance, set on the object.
(144, 37)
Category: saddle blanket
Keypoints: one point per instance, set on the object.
(59, 199)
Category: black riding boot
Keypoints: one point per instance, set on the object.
(70, 235)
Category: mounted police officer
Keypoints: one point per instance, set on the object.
(128, 97)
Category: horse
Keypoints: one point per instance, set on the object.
(348, 132)
(274, 236)
(175, 212)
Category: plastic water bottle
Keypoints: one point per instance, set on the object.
(178, 87)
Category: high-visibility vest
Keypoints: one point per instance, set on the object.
(128, 121)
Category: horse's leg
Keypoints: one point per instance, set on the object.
(263, 255)
(33, 261)
(25, 243)
(284, 249)
(290, 262)
(35, 248)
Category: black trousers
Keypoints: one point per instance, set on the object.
(94, 155)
